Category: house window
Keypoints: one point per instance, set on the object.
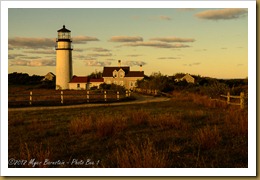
(78, 85)
(131, 84)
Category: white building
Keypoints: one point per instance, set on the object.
(63, 59)
(122, 76)
(188, 78)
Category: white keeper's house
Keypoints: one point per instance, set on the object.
(111, 75)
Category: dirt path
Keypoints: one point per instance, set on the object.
(140, 100)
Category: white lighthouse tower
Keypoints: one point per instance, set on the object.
(63, 59)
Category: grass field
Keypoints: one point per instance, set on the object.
(186, 132)
(19, 96)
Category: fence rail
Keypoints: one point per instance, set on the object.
(228, 97)
(66, 97)
(147, 91)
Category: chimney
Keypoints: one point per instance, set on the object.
(119, 63)
(141, 67)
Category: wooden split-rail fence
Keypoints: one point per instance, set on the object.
(63, 96)
(228, 100)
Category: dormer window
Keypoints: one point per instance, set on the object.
(121, 73)
(115, 74)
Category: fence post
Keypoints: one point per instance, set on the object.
(61, 97)
(117, 95)
(87, 96)
(228, 97)
(105, 95)
(242, 95)
(30, 98)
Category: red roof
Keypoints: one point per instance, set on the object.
(135, 74)
(96, 80)
(85, 79)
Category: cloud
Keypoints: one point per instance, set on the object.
(186, 9)
(110, 59)
(14, 56)
(167, 18)
(40, 51)
(156, 45)
(99, 49)
(222, 14)
(99, 54)
(134, 55)
(83, 39)
(173, 39)
(83, 57)
(34, 63)
(125, 39)
(134, 63)
(42, 43)
(97, 63)
(93, 56)
(31, 43)
(199, 50)
(163, 58)
(78, 50)
(192, 64)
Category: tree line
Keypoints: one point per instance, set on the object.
(164, 83)
(203, 85)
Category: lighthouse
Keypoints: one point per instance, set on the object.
(63, 59)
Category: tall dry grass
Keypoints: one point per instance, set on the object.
(110, 125)
(80, 124)
(139, 117)
(35, 152)
(208, 137)
(139, 155)
(169, 120)
(236, 122)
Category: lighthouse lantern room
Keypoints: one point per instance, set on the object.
(63, 59)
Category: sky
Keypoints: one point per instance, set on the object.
(207, 42)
